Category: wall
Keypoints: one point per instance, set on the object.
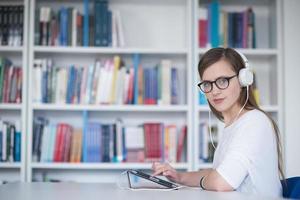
(291, 43)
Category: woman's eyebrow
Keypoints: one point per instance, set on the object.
(223, 76)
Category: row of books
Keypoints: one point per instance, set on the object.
(10, 141)
(10, 82)
(108, 81)
(206, 147)
(68, 27)
(11, 25)
(116, 142)
(221, 28)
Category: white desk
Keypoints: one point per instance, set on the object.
(98, 191)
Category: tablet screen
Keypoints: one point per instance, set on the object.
(139, 179)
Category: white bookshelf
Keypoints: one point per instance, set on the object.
(265, 60)
(104, 166)
(4, 49)
(149, 31)
(154, 29)
(16, 171)
(109, 50)
(124, 108)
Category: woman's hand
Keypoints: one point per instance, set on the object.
(166, 170)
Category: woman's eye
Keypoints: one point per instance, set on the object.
(222, 81)
(206, 84)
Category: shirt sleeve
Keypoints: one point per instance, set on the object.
(244, 148)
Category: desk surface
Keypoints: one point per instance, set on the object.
(98, 191)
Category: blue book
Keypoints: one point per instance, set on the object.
(69, 83)
(136, 62)
(44, 84)
(202, 99)
(84, 136)
(109, 26)
(174, 86)
(105, 143)
(98, 21)
(86, 23)
(124, 150)
(63, 26)
(214, 7)
(17, 144)
(104, 13)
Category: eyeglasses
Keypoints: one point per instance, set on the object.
(222, 83)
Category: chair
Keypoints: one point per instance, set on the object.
(291, 187)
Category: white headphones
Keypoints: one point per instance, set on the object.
(245, 74)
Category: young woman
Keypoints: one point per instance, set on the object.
(248, 156)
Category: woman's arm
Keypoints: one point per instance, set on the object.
(212, 179)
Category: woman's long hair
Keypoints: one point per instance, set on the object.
(214, 55)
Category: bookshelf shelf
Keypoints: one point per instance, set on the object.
(10, 165)
(107, 50)
(204, 165)
(204, 108)
(108, 166)
(10, 106)
(11, 49)
(250, 52)
(125, 108)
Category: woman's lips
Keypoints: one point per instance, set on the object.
(218, 101)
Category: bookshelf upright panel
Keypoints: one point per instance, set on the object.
(13, 56)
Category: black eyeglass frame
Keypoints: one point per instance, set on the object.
(215, 82)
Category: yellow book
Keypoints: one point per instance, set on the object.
(117, 62)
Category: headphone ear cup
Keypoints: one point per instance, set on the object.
(245, 77)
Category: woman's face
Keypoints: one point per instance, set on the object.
(222, 99)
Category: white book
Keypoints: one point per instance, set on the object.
(166, 81)
(120, 32)
(74, 28)
(37, 81)
(119, 131)
(134, 137)
(45, 143)
(62, 85)
(83, 85)
(90, 77)
(104, 82)
(101, 88)
(114, 30)
(96, 82)
(172, 143)
(99, 82)
(119, 88)
(4, 141)
(51, 142)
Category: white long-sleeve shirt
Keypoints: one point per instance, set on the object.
(246, 156)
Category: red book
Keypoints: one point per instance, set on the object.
(181, 142)
(19, 86)
(153, 141)
(67, 144)
(202, 31)
(58, 140)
